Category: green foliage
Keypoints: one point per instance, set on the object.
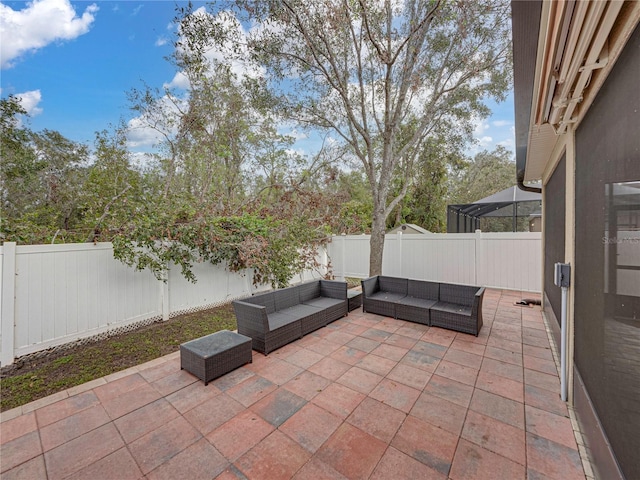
(487, 173)
(42, 174)
(275, 249)
(383, 79)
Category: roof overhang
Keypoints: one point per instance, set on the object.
(562, 52)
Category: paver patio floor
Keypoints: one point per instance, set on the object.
(367, 397)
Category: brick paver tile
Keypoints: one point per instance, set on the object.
(552, 459)
(330, 368)
(200, 460)
(251, 390)
(352, 452)
(307, 385)
(501, 408)
(365, 344)
(277, 457)
(360, 380)
(494, 435)
(541, 380)
(130, 400)
(278, 406)
(240, 434)
(83, 451)
(158, 446)
(209, 415)
(17, 427)
(115, 388)
(376, 364)
(304, 358)
(550, 426)
(142, 421)
(318, 470)
(395, 394)
(473, 461)
(448, 389)
(502, 386)
(503, 369)
(32, 469)
(399, 466)
(416, 438)
(311, 426)
(19, 450)
(545, 400)
(338, 399)
(440, 412)
(457, 372)
(118, 465)
(349, 355)
(377, 419)
(64, 408)
(410, 376)
(73, 426)
(191, 396)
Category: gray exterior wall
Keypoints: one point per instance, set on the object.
(607, 322)
(554, 236)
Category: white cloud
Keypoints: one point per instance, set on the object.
(161, 41)
(485, 141)
(180, 80)
(164, 117)
(140, 135)
(39, 24)
(29, 101)
(481, 127)
(501, 123)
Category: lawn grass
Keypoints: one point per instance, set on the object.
(36, 378)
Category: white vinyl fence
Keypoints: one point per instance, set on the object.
(56, 294)
(502, 260)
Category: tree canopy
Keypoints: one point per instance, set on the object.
(385, 78)
(391, 90)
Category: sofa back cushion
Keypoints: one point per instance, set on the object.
(423, 289)
(309, 290)
(458, 294)
(265, 300)
(286, 297)
(392, 284)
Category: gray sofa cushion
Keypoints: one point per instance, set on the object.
(423, 289)
(266, 300)
(309, 290)
(392, 284)
(458, 294)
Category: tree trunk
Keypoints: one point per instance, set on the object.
(376, 244)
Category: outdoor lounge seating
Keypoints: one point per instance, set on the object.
(279, 317)
(455, 307)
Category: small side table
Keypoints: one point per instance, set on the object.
(214, 355)
(354, 298)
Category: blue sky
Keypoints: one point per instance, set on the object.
(73, 62)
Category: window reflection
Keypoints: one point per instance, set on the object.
(622, 247)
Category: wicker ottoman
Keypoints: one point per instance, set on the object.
(354, 298)
(214, 355)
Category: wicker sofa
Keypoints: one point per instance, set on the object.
(455, 307)
(279, 317)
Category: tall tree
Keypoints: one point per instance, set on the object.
(42, 176)
(382, 76)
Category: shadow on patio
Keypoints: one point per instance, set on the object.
(366, 397)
